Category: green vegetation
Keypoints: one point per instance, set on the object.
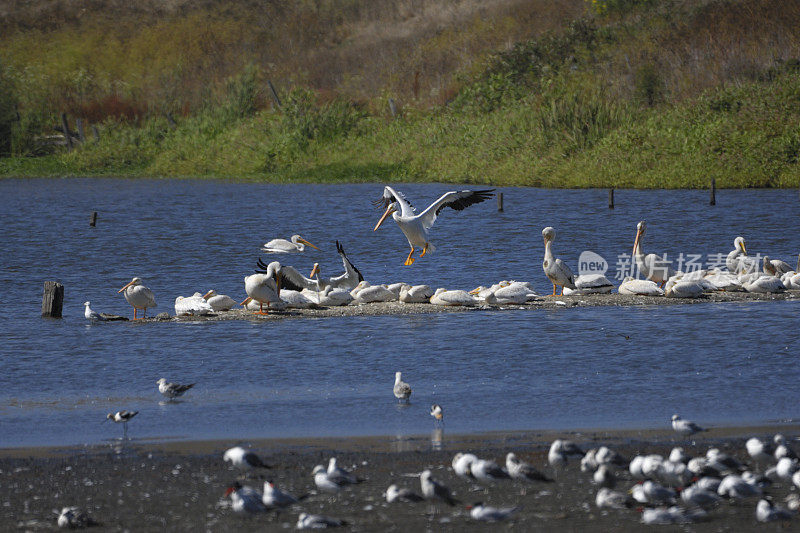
(622, 93)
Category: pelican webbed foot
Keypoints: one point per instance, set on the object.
(409, 259)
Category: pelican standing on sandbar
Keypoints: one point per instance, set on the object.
(265, 285)
(651, 266)
(415, 227)
(139, 296)
(282, 246)
(555, 269)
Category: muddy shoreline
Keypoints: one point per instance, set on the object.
(149, 486)
(399, 308)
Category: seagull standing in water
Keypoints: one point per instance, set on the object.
(90, 315)
(122, 417)
(139, 296)
(416, 226)
(172, 390)
(402, 390)
(685, 427)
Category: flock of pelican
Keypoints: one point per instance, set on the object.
(276, 286)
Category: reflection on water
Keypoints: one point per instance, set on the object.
(566, 368)
(436, 439)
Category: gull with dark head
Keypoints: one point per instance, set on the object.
(416, 226)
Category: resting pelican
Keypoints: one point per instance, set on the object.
(364, 293)
(514, 292)
(417, 294)
(330, 296)
(776, 267)
(685, 289)
(139, 296)
(443, 296)
(762, 283)
(192, 305)
(555, 269)
(219, 302)
(282, 246)
(651, 266)
(415, 227)
(265, 285)
(639, 287)
(348, 280)
(591, 284)
(298, 300)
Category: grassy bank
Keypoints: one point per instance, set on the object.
(618, 93)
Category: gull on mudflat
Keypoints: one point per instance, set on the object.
(521, 470)
(316, 521)
(74, 518)
(487, 471)
(685, 427)
(767, 511)
(486, 513)
(433, 490)
(340, 475)
(612, 499)
(243, 459)
(275, 498)
(394, 494)
(245, 499)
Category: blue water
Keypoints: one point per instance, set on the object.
(570, 368)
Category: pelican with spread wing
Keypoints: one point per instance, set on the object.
(348, 280)
(416, 226)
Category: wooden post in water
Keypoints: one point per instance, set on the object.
(93, 222)
(274, 93)
(611, 198)
(500, 202)
(81, 134)
(52, 299)
(65, 128)
(713, 200)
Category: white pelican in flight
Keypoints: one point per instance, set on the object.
(295, 281)
(282, 246)
(139, 296)
(555, 269)
(265, 285)
(415, 227)
(651, 266)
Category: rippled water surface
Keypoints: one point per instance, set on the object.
(571, 368)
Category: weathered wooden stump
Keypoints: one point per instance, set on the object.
(93, 221)
(52, 299)
(713, 200)
(611, 198)
(500, 202)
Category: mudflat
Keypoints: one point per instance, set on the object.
(179, 486)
